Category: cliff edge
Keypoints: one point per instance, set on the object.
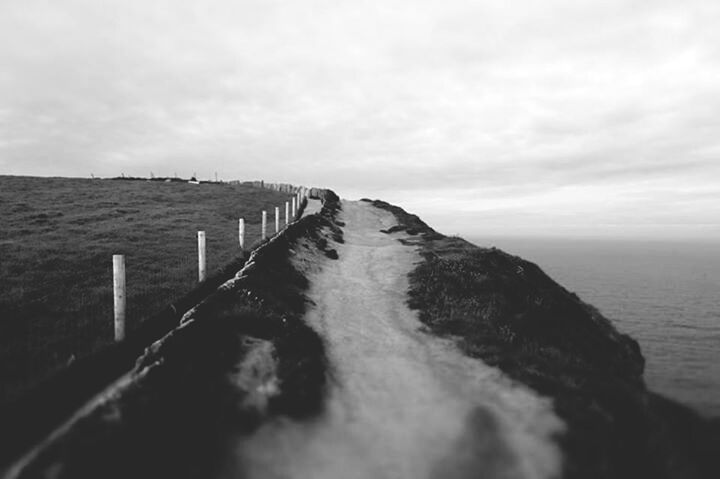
(507, 312)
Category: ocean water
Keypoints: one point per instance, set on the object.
(665, 295)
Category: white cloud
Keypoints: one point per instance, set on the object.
(539, 110)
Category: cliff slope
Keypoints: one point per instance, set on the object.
(507, 312)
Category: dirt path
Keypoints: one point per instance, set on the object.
(312, 207)
(402, 403)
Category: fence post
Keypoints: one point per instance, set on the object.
(287, 213)
(241, 232)
(264, 224)
(119, 295)
(277, 219)
(202, 265)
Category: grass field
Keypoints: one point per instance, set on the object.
(56, 244)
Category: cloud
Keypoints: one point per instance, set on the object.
(561, 104)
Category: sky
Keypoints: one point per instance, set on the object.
(525, 118)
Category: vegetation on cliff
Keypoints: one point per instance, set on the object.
(507, 312)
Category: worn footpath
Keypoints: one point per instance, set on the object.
(402, 402)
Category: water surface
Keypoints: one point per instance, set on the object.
(665, 295)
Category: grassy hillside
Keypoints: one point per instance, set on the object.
(56, 248)
(206, 382)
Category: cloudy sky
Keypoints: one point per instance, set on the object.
(524, 117)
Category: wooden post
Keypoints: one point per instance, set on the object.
(119, 295)
(294, 207)
(202, 265)
(277, 219)
(287, 213)
(264, 224)
(241, 232)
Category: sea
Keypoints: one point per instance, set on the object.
(666, 295)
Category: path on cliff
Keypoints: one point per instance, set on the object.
(402, 403)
